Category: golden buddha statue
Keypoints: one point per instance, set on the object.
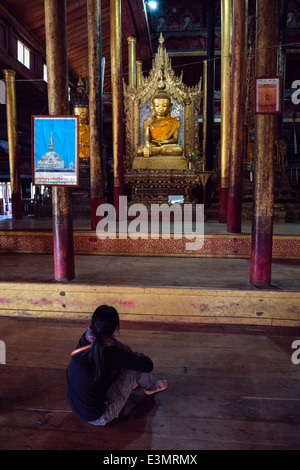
(81, 109)
(157, 144)
(160, 135)
(160, 130)
(84, 131)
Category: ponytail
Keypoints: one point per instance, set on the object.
(95, 358)
(105, 321)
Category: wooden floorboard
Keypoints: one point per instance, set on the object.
(228, 390)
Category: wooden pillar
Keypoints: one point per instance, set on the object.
(95, 106)
(117, 100)
(226, 32)
(57, 74)
(281, 60)
(13, 148)
(265, 125)
(132, 77)
(238, 97)
(210, 87)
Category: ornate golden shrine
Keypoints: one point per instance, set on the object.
(153, 178)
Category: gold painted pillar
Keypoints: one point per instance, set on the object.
(95, 106)
(238, 98)
(226, 35)
(13, 148)
(132, 76)
(265, 126)
(210, 87)
(117, 100)
(139, 72)
(58, 104)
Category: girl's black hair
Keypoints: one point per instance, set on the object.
(105, 321)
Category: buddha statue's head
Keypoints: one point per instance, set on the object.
(83, 113)
(81, 102)
(161, 104)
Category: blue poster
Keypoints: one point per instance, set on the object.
(55, 150)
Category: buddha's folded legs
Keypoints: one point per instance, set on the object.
(172, 150)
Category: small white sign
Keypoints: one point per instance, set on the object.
(2, 352)
(2, 92)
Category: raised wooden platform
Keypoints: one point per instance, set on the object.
(150, 280)
(147, 289)
(177, 305)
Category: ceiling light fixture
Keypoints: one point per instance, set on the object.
(152, 5)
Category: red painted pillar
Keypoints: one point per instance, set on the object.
(117, 101)
(63, 244)
(57, 73)
(238, 96)
(262, 219)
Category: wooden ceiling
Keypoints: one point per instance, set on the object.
(182, 22)
(31, 15)
(28, 20)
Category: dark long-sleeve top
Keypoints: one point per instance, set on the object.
(87, 396)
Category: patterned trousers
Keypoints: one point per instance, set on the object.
(120, 390)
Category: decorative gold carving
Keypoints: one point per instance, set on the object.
(155, 186)
(281, 154)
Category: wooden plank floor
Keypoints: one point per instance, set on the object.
(229, 388)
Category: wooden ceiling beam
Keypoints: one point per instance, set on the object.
(134, 24)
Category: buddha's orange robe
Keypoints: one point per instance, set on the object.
(165, 129)
(84, 141)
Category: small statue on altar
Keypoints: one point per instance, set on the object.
(160, 131)
(84, 132)
(81, 109)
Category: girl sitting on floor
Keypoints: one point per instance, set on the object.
(103, 371)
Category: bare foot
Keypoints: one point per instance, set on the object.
(162, 385)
